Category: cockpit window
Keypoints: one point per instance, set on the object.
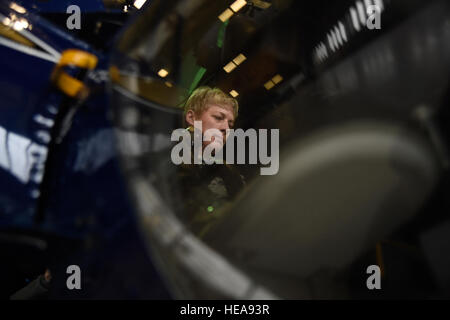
(339, 100)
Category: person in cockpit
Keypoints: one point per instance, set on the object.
(206, 188)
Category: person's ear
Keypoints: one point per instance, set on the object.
(190, 117)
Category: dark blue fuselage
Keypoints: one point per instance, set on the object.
(81, 196)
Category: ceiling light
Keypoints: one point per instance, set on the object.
(17, 8)
(237, 5)
(229, 67)
(277, 79)
(269, 85)
(139, 3)
(234, 93)
(261, 4)
(163, 73)
(20, 24)
(224, 16)
(6, 21)
(239, 59)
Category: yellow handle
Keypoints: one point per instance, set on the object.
(71, 86)
(78, 58)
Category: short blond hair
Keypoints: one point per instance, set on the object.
(204, 96)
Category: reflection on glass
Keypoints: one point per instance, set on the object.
(311, 81)
(21, 157)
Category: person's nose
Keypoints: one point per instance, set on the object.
(224, 128)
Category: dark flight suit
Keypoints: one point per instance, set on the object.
(206, 191)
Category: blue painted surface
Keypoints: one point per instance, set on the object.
(61, 5)
(29, 105)
(87, 201)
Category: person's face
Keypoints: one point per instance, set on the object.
(214, 117)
